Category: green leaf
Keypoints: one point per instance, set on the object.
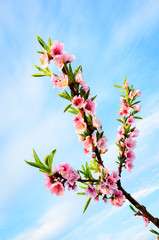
(93, 97)
(131, 207)
(117, 86)
(37, 159)
(82, 187)
(119, 120)
(41, 52)
(50, 159)
(155, 232)
(138, 117)
(77, 69)
(68, 95)
(73, 110)
(49, 42)
(124, 79)
(39, 75)
(46, 160)
(43, 44)
(135, 103)
(40, 69)
(81, 193)
(68, 106)
(37, 165)
(87, 203)
(64, 95)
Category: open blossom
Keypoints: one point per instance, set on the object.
(126, 85)
(80, 127)
(48, 182)
(115, 175)
(72, 176)
(130, 155)
(125, 111)
(135, 93)
(63, 82)
(78, 102)
(78, 118)
(129, 165)
(130, 143)
(123, 101)
(54, 80)
(130, 120)
(56, 49)
(137, 108)
(89, 106)
(101, 144)
(118, 138)
(120, 130)
(86, 151)
(146, 220)
(59, 60)
(45, 59)
(79, 79)
(64, 170)
(57, 188)
(111, 182)
(85, 89)
(97, 124)
(91, 191)
(87, 144)
(135, 133)
(118, 198)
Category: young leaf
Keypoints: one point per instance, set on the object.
(64, 95)
(37, 160)
(155, 232)
(41, 52)
(46, 160)
(131, 207)
(73, 110)
(49, 42)
(119, 120)
(81, 193)
(93, 97)
(50, 159)
(43, 44)
(138, 117)
(68, 106)
(124, 79)
(40, 69)
(117, 86)
(37, 165)
(39, 75)
(77, 69)
(87, 203)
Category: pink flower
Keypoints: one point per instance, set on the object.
(118, 198)
(45, 59)
(63, 83)
(81, 138)
(135, 133)
(123, 101)
(137, 92)
(131, 95)
(80, 127)
(79, 79)
(85, 89)
(111, 182)
(64, 58)
(130, 155)
(104, 188)
(86, 151)
(48, 182)
(130, 143)
(97, 124)
(89, 106)
(64, 170)
(125, 111)
(91, 191)
(118, 138)
(130, 120)
(72, 176)
(54, 80)
(146, 220)
(126, 85)
(57, 188)
(94, 139)
(101, 144)
(106, 171)
(120, 130)
(115, 175)
(137, 108)
(87, 144)
(129, 165)
(56, 49)
(78, 118)
(78, 102)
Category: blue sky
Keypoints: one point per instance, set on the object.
(110, 39)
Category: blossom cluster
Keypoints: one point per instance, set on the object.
(107, 186)
(126, 132)
(63, 176)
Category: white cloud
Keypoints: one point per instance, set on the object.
(145, 192)
(56, 220)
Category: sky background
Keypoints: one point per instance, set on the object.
(110, 39)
